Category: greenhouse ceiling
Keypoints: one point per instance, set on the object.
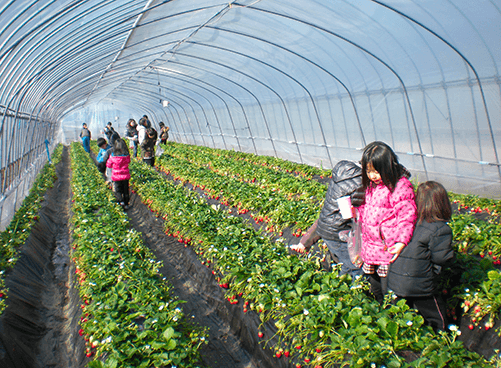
(311, 81)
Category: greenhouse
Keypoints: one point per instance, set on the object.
(190, 264)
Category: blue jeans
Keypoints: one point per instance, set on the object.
(86, 144)
(339, 249)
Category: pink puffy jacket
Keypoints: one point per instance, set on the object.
(387, 218)
(119, 167)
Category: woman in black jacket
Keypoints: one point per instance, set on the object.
(148, 147)
(414, 273)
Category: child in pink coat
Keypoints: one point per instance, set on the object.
(388, 214)
(119, 163)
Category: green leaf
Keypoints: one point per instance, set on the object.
(171, 345)
(168, 333)
(111, 362)
(382, 322)
(494, 275)
(96, 364)
(392, 329)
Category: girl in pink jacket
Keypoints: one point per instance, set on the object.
(388, 214)
(119, 163)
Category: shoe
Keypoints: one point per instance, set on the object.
(126, 207)
(122, 204)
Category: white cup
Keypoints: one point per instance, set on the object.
(344, 204)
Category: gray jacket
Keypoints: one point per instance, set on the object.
(346, 179)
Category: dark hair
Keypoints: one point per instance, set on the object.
(152, 133)
(143, 121)
(131, 121)
(161, 124)
(120, 148)
(432, 202)
(100, 141)
(384, 161)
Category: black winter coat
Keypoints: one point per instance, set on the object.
(414, 272)
(346, 178)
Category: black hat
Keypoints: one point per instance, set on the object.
(100, 141)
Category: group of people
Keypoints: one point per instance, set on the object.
(405, 238)
(144, 136)
(113, 158)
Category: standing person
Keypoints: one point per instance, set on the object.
(413, 275)
(131, 134)
(148, 147)
(108, 131)
(164, 132)
(141, 130)
(103, 154)
(388, 214)
(85, 136)
(119, 163)
(346, 179)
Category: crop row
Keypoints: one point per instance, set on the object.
(129, 316)
(321, 319)
(270, 163)
(25, 217)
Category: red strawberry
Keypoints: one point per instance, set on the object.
(307, 360)
(260, 334)
(278, 354)
(471, 327)
(287, 353)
